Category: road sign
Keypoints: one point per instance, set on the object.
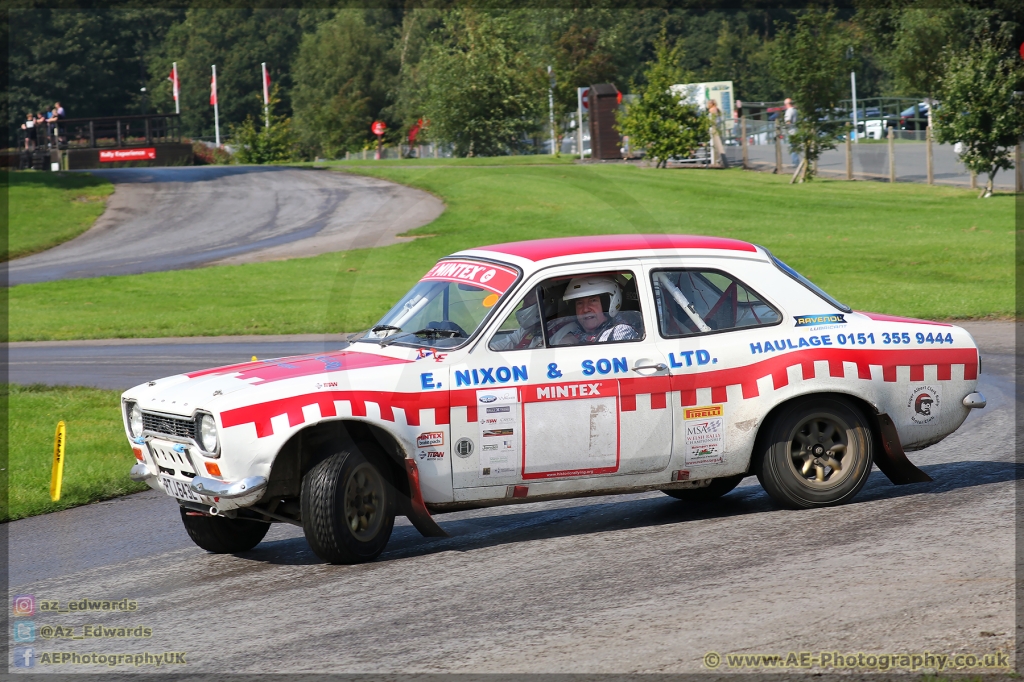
(585, 98)
(378, 127)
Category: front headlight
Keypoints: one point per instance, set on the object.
(208, 432)
(134, 419)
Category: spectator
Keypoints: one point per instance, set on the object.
(737, 114)
(714, 113)
(59, 109)
(29, 126)
(790, 119)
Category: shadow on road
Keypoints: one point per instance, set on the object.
(514, 526)
(179, 173)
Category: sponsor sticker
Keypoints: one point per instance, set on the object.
(137, 154)
(426, 440)
(704, 429)
(483, 275)
(497, 396)
(924, 404)
(431, 454)
(818, 320)
(463, 447)
(491, 422)
(501, 408)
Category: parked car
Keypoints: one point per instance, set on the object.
(553, 369)
(915, 117)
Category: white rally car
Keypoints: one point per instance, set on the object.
(551, 369)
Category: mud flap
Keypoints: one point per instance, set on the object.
(891, 459)
(414, 508)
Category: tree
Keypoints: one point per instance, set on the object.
(344, 74)
(237, 41)
(742, 56)
(807, 60)
(658, 121)
(256, 142)
(91, 61)
(979, 107)
(481, 93)
(581, 58)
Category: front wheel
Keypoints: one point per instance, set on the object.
(222, 535)
(348, 506)
(818, 453)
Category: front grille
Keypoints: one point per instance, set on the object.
(179, 427)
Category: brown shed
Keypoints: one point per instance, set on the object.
(604, 137)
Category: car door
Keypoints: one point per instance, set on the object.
(707, 316)
(541, 409)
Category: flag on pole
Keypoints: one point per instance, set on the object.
(415, 130)
(213, 101)
(174, 86)
(174, 81)
(266, 95)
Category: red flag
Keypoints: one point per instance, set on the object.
(174, 82)
(414, 131)
(266, 84)
(213, 90)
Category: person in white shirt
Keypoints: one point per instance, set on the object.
(790, 121)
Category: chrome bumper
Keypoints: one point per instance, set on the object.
(227, 489)
(139, 473)
(975, 400)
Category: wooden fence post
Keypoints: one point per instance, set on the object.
(928, 154)
(849, 154)
(743, 134)
(892, 155)
(1020, 171)
(778, 147)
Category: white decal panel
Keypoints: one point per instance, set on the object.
(704, 435)
(499, 432)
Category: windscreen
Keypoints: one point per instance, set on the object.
(446, 307)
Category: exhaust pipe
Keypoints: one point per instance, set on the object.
(214, 511)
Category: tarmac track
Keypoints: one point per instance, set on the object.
(176, 218)
(635, 583)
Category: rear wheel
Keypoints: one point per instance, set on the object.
(348, 506)
(818, 453)
(222, 535)
(714, 490)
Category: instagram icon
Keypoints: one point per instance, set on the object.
(23, 605)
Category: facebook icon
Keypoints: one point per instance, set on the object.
(24, 657)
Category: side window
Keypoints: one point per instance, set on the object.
(601, 307)
(521, 329)
(702, 301)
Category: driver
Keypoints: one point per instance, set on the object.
(598, 302)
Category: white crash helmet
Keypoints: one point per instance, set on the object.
(595, 285)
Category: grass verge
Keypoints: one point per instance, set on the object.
(97, 456)
(933, 252)
(46, 209)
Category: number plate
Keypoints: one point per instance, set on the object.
(179, 489)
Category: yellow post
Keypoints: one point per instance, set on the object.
(253, 359)
(57, 474)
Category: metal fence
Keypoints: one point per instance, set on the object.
(110, 131)
(405, 151)
(875, 115)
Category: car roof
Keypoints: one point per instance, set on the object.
(537, 250)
